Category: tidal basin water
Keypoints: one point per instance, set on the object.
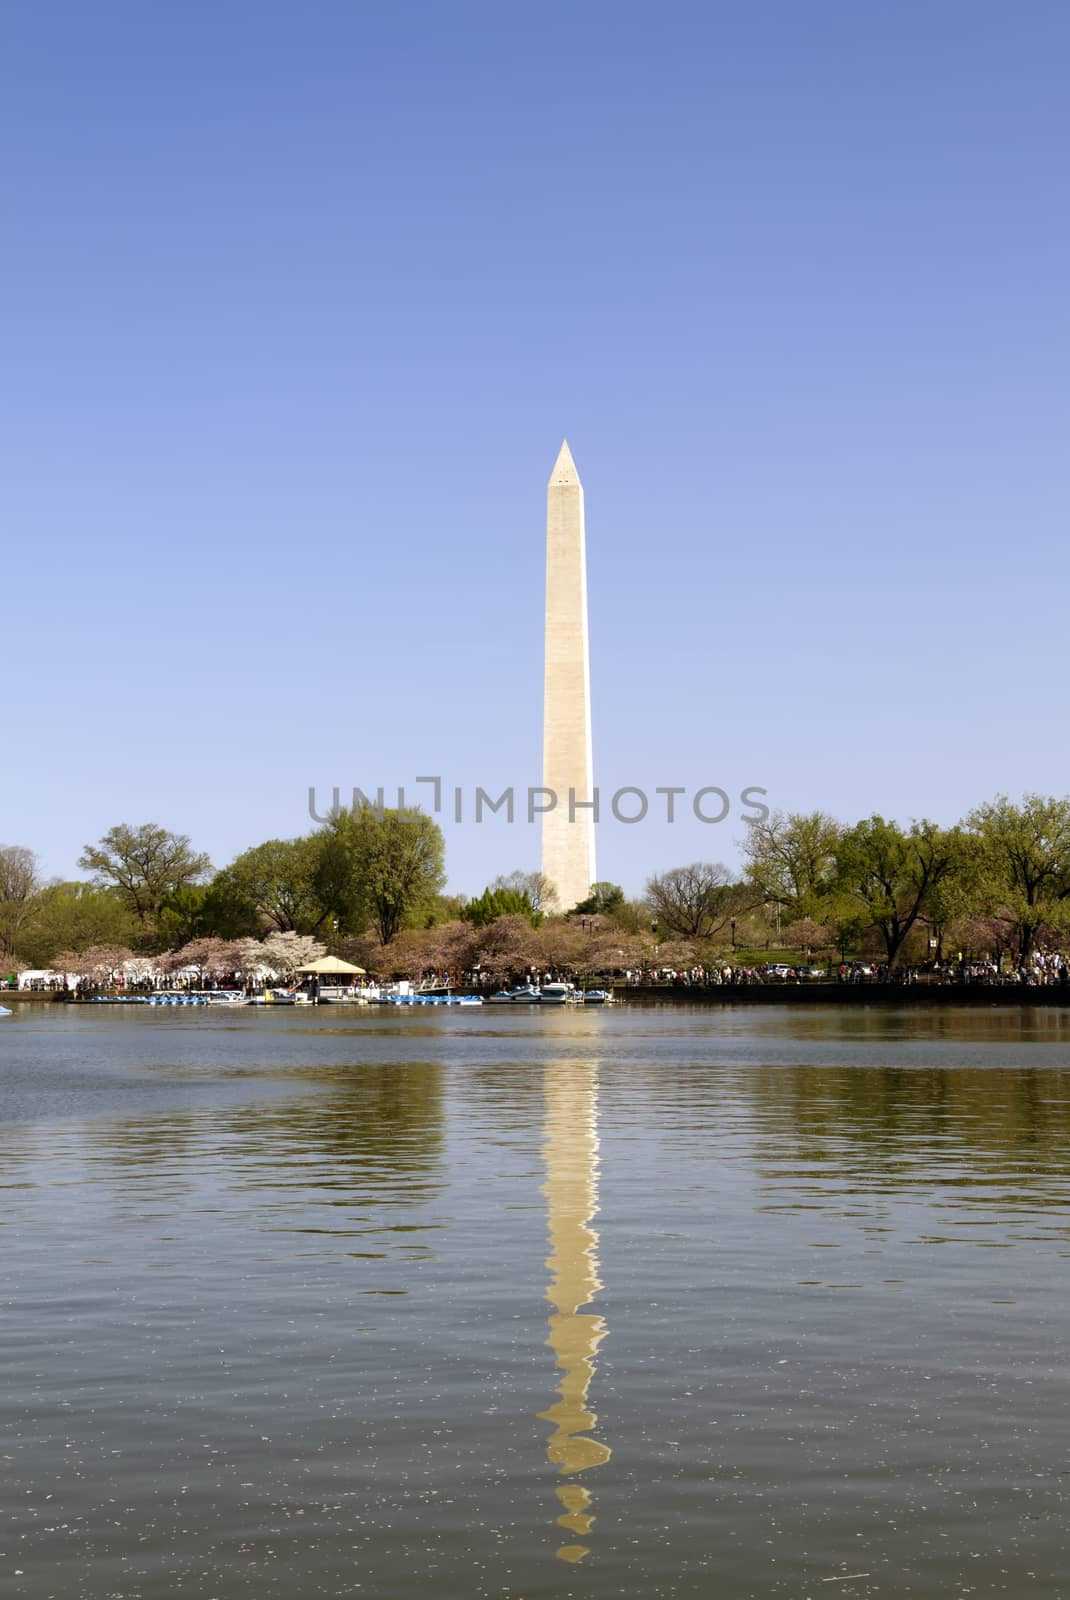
(652, 1302)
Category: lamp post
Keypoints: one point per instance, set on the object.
(733, 933)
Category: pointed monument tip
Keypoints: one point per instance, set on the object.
(564, 468)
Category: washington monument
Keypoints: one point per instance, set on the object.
(567, 768)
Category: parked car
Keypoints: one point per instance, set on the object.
(810, 972)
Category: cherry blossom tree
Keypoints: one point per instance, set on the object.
(507, 948)
(286, 953)
(210, 958)
(101, 963)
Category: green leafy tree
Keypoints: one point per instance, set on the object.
(536, 885)
(181, 916)
(888, 877)
(848, 921)
(604, 900)
(1023, 865)
(791, 861)
(443, 908)
(336, 855)
(277, 884)
(144, 865)
(216, 910)
(76, 916)
(359, 867)
(493, 903)
(398, 866)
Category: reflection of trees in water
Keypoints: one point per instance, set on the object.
(957, 1025)
(505, 1098)
(153, 1156)
(22, 1145)
(381, 1118)
(368, 1127)
(890, 1121)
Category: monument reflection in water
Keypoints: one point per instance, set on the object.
(570, 1150)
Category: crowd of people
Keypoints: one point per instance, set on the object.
(1042, 970)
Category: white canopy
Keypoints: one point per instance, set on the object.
(332, 965)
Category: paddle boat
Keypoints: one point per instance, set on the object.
(526, 995)
(432, 999)
(4, 1011)
(556, 994)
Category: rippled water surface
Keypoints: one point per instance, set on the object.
(655, 1302)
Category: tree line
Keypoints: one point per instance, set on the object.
(369, 885)
(996, 884)
(149, 890)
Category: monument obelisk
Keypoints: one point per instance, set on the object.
(567, 767)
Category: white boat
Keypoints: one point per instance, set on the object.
(4, 1012)
(597, 997)
(226, 997)
(527, 994)
(556, 994)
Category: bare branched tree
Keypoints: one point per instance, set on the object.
(695, 902)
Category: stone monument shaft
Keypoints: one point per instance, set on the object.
(567, 767)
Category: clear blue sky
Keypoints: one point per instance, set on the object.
(300, 299)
